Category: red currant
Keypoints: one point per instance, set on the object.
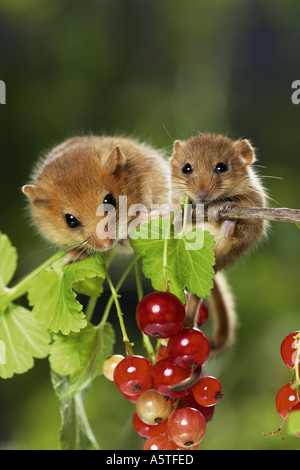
(160, 314)
(176, 447)
(153, 408)
(161, 353)
(158, 443)
(295, 408)
(207, 391)
(189, 348)
(289, 347)
(133, 375)
(189, 401)
(186, 427)
(147, 430)
(285, 400)
(203, 312)
(110, 364)
(130, 398)
(165, 374)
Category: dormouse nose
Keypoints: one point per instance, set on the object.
(202, 194)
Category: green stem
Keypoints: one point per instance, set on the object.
(149, 348)
(90, 308)
(138, 279)
(166, 268)
(119, 311)
(185, 212)
(117, 288)
(146, 340)
(11, 294)
(110, 255)
(165, 262)
(93, 300)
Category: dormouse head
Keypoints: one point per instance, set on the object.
(210, 167)
(74, 198)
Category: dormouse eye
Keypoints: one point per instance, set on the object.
(109, 202)
(72, 222)
(221, 168)
(187, 169)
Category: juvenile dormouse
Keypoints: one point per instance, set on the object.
(216, 171)
(81, 174)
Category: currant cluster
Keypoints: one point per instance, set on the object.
(171, 410)
(288, 397)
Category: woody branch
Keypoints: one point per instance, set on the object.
(275, 214)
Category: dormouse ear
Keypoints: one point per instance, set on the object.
(37, 195)
(177, 145)
(246, 151)
(115, 160)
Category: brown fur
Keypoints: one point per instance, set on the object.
(77, 174)
(240, 186)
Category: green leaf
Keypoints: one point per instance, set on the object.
(196, 267)
(190, 268)
(8, 256)
(90, 267)
(90, 275)
(54, 302)
(23, 338)
(82, 355)
(294, 421)
(93, 287)
(298, 225)
(52, 296)
(75, 432)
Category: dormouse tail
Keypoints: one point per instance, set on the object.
(223, 313)
(224, 321)
(224, 317)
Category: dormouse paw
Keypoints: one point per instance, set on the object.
(215, 209)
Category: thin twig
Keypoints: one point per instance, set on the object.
(281, 214)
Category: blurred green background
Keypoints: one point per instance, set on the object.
(159, 70)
